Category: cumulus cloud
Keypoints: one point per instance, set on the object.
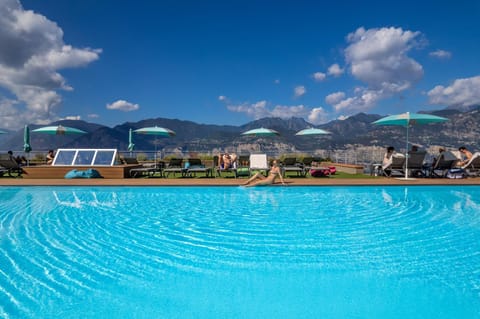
(462, 93)
(318, 115)
(441, 54)
(365, 100)
(335, 70)
(32, 52)
(378, 58)
(93, 116)
(255, 110)
(319, 76)
(334, 98)
(299, 91)
(122, 105)
(222, 98)
(260, 110)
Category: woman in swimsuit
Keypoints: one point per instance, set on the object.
(259, 180)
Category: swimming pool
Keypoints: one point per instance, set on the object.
(232, 252)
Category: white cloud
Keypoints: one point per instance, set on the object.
(318, 115)
(319, 76)
(441, 54)
(73, 117)
(255, 110)
(461, 94)
(334, 98)
(260, 110)
(277, 81)
(365, 100)
(32, 52)
(222, 98)
(122, 105)
(335, 70)
(288, 111)
(93, 116)
(299, 91)
(378, 57)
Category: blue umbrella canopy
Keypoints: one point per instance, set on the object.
(130, 141)
(155, 130)
(26, 140)
(58, 130)
(261, 132)
(312, 131)
(407, 119)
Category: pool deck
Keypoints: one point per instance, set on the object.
(233, 182)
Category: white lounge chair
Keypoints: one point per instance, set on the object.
(473, 165)
(258, 162)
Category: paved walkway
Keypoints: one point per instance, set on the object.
(233, 182)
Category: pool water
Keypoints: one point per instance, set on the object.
(233, 252)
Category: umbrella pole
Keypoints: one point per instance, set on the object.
(406, 155)
(155, 155)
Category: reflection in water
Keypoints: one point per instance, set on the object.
(72, 199)
(392, 198)
(261, 197)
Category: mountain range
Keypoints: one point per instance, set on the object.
(358, 130)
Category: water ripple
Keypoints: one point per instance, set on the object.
(70, 242)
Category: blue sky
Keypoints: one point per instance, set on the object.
(230, 62)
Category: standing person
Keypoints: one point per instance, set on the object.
(466, 154)
(259, 180)
(50, 157)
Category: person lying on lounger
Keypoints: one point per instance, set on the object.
(259, 180)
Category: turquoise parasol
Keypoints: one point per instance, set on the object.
(407, 119)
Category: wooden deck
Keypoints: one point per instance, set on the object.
(58, 172)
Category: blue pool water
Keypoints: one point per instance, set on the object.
(232, 252)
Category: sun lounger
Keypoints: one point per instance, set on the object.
(145, 170)
(239, 168)
(258, 162)
(473, 165)
(10, 166)
(396, 167)
(290, 164)
(174, 166)
(220, 170)
(440, 167)
(195, 166)
(415, 164)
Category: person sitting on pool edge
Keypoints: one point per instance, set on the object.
(259, 180)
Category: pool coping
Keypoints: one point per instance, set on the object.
(233, 182)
